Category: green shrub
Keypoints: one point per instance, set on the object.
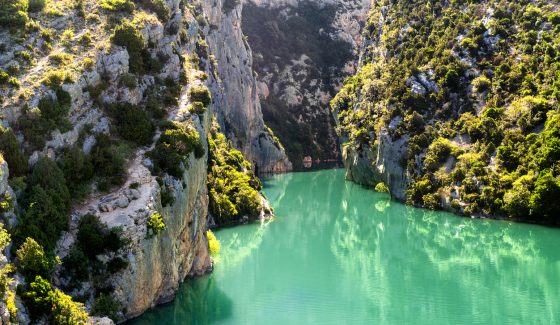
(48, 202)
(133, 123)
(106, 305)
(33, 261)
(11, 151)
(129, 80)
(173, 148)
(197, 108)
(108, 163)
(156, 224)
(160, 8)
(78, 171)
(36, 5)
(129, 37)
(200, 94)
(13, 13)
(118, 5)
(59, 308)
(232, 186)
(213, 243)
(381, 188)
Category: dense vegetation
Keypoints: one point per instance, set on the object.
(232, 186)
(473, 89)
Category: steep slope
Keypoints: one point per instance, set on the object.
(108, 121)
(303, 50)
(239, 109)
(455, 106)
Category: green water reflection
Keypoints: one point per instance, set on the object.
(340, 254)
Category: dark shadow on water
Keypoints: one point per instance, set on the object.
(199, 301)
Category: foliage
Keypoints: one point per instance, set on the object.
(11, 151)
(213, 243)
(33, 261)
(487, 129)
(13, 13)
(51, 113)
(156, 224)
(176, 143)
(133, 123)
(36, 5)
(381, 188)
(118, 5)
(200, 94)
(233, 187)
(108, 162)
(128, 36)
(94, 239)
(41, 300)
(48, 202)
(106, 305)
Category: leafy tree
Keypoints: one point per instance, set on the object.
(544, 201)
(33, 261)
(11, 151)
(128, 36)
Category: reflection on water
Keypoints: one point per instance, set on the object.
(341, 254)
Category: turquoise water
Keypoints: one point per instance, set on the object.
(340, 254)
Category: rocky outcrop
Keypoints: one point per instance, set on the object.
(383, 164)
(238, 108)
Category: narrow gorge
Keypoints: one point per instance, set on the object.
(148, 149)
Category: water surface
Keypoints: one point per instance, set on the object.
(338, 253)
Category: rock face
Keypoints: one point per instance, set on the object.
(238, 108)
(303, 50)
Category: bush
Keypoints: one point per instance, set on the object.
(118, 5)
(106, 305)
(48, 202)
(33, 261)
(197, 108)
(59, 308)
(129, 37)
(200, 94)
(173, 148)
(160, 8)
(108, 163)
(78, 171)
(13, 13)
(36, 5)
(232, 186)
(11, 151)
(544, 202)
(156, 224)
(381, 188)
(133, 123)
(213, 243)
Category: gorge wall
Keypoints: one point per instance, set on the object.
(186, 46)
(455, 106)
(303, 50)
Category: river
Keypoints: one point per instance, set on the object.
(338, 253)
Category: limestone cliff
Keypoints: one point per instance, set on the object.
(239, 108)
(186, 45)
(303, 50)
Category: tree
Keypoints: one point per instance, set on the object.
(32, 260)
(544, 198)
(9, 146)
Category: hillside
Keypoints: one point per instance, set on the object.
(455, 107)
